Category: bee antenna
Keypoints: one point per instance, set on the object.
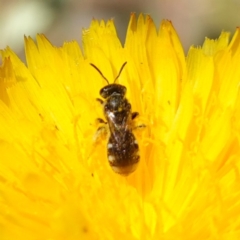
(99, 72)
(120, 72)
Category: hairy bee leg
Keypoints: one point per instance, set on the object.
(102, 129)
(101, 132)
(134, 115)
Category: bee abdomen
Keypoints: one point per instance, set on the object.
(123, 157)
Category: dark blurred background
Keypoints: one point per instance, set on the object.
(63, 20)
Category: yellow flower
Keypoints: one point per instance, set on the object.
(56, 183)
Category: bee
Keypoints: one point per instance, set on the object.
(122, 146)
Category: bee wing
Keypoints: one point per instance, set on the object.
(117, 130)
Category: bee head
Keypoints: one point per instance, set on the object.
(111, 89)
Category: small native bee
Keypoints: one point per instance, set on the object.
(122, 147)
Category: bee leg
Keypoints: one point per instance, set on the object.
(134, 115)
(100, 120)
(139, 126)
(99, 135)
(100, 101)
(135, 126)
(101, 132)
(102, 129)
